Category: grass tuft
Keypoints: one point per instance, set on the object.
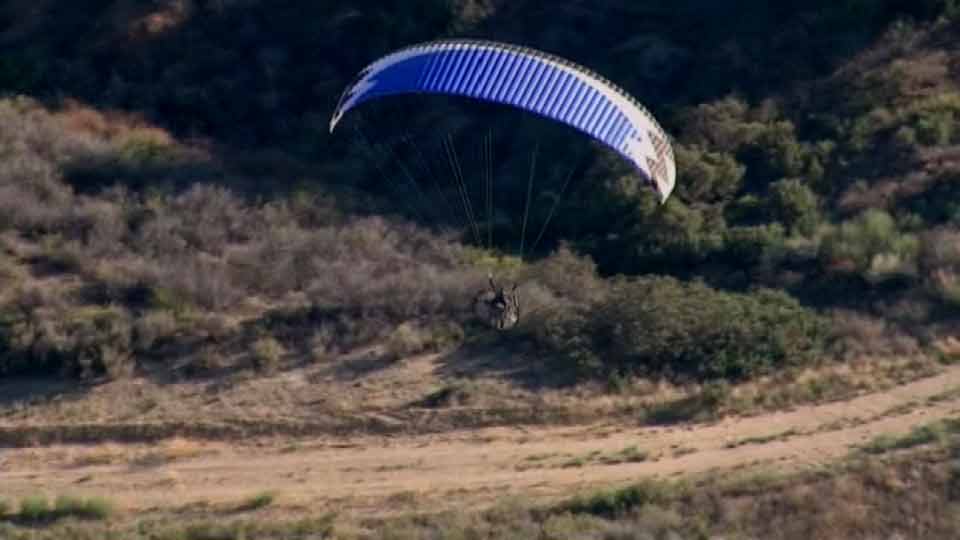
(936, 432)
(258, 501)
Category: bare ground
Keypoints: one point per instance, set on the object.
(365, 474)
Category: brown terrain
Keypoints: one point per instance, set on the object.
(371, 473)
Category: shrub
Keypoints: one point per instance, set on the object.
(101, 343)
(748, 209)
(267, 354)
(716, 124)
(83, 342)
(707, 176)
(664, 327)
(97, 508)
(567, 275)
(195, 280)
(38, 508)
(774, 153)
(938, 431)
(858, 335)
(939, 260)
(794, 204)
(872, 246)
(945, 285)
(153, 326)
(411, 338)
(407, 339)
(750, 245)
(935, 127)
(169, 300)
(940, 249)
(68, 505)
(212, 217)
(905, 139)
(617, 502)
(670, 236)
(258, 501)
(35, 508)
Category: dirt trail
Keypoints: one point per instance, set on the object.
(357, 474)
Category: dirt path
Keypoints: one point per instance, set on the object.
(357, 474)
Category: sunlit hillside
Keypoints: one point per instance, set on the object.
(187, 253)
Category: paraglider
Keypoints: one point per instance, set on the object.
(528, 79)
(531, 81)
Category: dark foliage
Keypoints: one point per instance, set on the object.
(662, 327)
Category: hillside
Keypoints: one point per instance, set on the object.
(188, 256)
(829, 183)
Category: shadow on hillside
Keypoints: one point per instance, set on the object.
(485, 354)
(268, 74)
(356, 365)
(26, 390)
(502, 357)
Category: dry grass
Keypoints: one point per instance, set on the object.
(101, 454)
(314, 399)
(174, 259)
(176, 449)
(113, 126)
(787, 389)
(855, 500)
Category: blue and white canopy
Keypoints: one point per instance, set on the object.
(527, 79)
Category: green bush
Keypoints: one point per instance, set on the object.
(97, 508)
(617, 502)
(664, 327)
(68, 505)
(35, 508)
(795, 205)
(750, 245)
(675, 234)
(775, 153)
(872, 246)
(38, 508)
(707, 176)
(862, 130)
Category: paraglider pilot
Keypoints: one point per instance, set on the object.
(500, 309)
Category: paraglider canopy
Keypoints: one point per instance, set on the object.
(530, 80)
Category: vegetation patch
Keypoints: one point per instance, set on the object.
(936, 432)
(616, 502)
(258, 501)
(38, 509)
(663, 327)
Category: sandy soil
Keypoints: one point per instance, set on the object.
(361, 475)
